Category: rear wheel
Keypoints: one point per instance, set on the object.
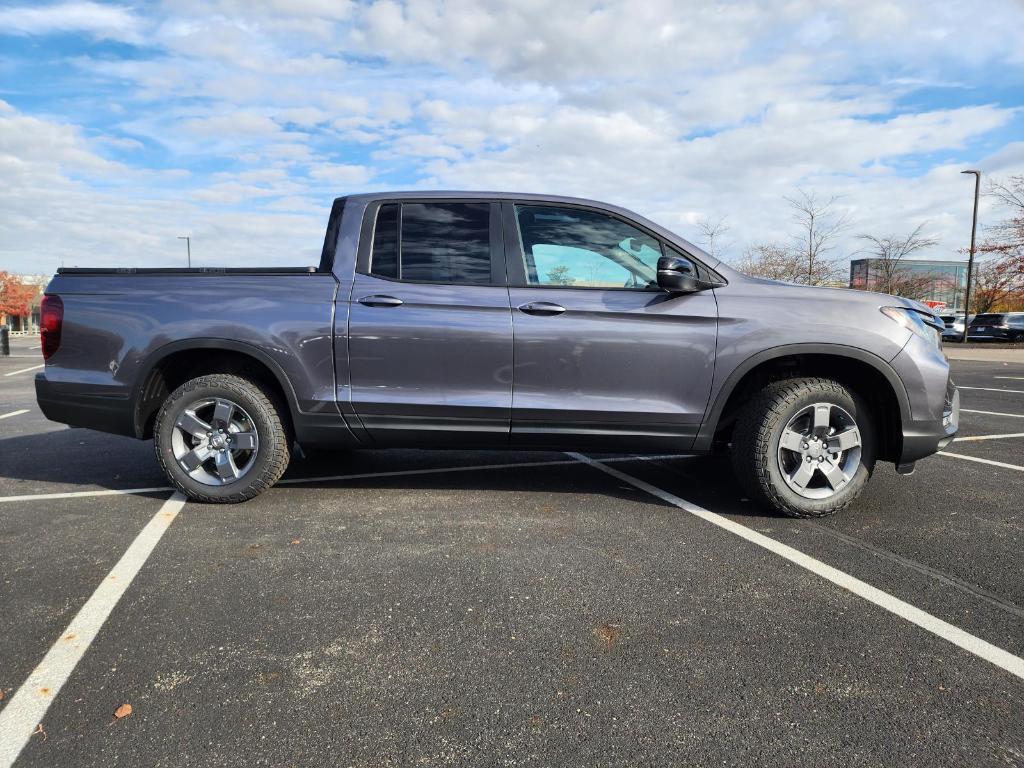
(804, 446)
(220, 438)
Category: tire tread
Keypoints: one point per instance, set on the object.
(265, 400)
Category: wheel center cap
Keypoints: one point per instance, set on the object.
(218, 441)
(817, 448)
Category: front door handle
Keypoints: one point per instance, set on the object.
(380, 301)
(542, 308)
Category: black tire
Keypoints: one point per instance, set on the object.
(758, 430)
(263, 408)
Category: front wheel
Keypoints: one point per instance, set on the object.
(220, 438)
(804, 446)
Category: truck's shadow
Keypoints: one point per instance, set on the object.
(78, 459)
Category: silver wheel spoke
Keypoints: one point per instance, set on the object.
(822, 411)
(225, 463)
(803, 474)
(835, 476)
(215, 441)
(844, 441)
(192, 424)
(243, 441)
(194, 459)
(820, 437)
(791, 440)
(222, 411)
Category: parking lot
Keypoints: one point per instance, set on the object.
(387, 608)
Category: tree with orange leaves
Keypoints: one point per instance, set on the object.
(15, 296)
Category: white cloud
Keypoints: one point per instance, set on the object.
(676, 110)
(98, 20)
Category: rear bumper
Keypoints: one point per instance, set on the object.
(923, 438)
(993, 334)
(80, 405)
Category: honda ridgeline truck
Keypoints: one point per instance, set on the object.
(490, 320)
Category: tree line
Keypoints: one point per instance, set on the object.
(819, 224)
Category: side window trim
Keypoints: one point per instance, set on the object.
(496, 231)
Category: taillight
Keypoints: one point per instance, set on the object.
(51, 319)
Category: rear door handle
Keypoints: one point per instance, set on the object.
(542, 308)
(380, 301)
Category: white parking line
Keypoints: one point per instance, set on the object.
(961, 386)
(1015, 378)
(970, 643)
(26, 370)
(965, 457)
(333, 478)
(85, 494)
(994, 413)
(29, 704)
(986, 437)
(14, 413)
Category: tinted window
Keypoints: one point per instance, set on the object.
(446, 242)
(570, 247)
(987, 320)
(384, 261)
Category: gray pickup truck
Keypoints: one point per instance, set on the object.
(491, 320)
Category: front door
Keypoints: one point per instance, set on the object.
(430, 328)
(603, 358)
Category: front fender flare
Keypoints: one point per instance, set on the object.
(709, 424)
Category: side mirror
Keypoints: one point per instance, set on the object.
(677, 275)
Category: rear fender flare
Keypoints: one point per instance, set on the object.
(152, 360)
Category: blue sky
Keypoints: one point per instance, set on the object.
(124, 126)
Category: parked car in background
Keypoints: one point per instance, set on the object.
(954, 326)
(997, 326)
(489, 320)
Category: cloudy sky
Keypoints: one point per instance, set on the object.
(123, 126)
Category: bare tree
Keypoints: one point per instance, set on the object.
(998, 282)
(889, 273)
(1007, 236)
(711, 235)
(773, 261)
(820, 226)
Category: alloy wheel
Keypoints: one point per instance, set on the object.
(215, 441)
(819, 450)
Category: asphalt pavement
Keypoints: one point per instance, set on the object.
(392, 608)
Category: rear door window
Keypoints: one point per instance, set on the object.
(447, 243)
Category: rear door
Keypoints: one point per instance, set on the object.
(430, 328)
(603, 357)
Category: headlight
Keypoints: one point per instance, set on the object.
(927, 326)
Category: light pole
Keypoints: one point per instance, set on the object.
(188, 248)
(970, 258)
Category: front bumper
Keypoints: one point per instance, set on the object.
(923, 438)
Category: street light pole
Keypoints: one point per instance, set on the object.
(188, 249)
(970, 258)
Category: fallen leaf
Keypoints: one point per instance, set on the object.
(123, 711)
(296, 541)
(40, 729)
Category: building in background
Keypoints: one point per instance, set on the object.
(928, 280)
